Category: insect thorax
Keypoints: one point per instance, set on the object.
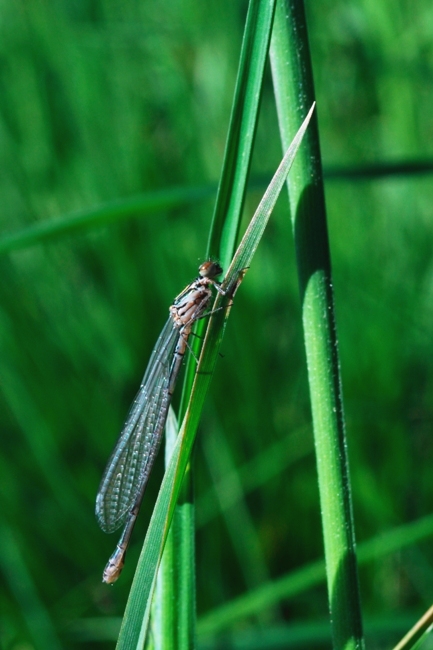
(189, 306)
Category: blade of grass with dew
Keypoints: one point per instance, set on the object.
(242, 129)
(135, 622)
(238, 152)
(223, 234)
(294, 92)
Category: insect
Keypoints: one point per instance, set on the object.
(124, 480)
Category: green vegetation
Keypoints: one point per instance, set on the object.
(102, 103)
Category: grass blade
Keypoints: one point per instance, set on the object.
(137, 611)
(242, 129)
(291, 68)
(223, 235)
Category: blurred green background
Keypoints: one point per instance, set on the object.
(102, 101)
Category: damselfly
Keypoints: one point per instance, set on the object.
(123, 483)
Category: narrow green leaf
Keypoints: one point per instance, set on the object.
(238, 152)
(137, 611)
(242, 130)
(224, 232)
(294, 92)
(173, 608)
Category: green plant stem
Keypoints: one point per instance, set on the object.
(222, 240)
(242, 130)
(293, 83)
(173, 605)
(135, 620)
